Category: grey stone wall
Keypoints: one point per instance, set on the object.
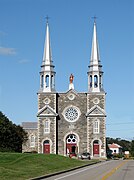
(41, 100)
(26, 146)
(47, 136)
(101, 136)
(100, 96)
(79, 127)
(60, 128)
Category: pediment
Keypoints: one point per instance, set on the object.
(96, 111)
(71, 94)
(46, 111)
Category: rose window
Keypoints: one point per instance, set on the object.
(71, 114)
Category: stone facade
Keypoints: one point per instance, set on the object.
(53, 108)
(69, 122)
(32, 143)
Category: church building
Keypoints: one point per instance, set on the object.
(71, 121)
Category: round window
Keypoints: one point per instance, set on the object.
(71, 114)
(96, 101)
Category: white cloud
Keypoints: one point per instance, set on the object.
(7, 51)
(24, 61)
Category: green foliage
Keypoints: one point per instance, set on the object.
(125, 144)
(132, 148)
(118, 155)
(11, 135)
(18, 166)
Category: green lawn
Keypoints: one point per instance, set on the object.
(15, 166)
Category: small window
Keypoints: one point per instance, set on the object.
(52, 81)
(100, 81)
(46, 142)
(96, 128)
(32, 141)
(95, 81)
(90, 81)
(42, 81)
(47, 80)
(47, 126)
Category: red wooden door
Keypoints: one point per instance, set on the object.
(69, 147)
(46, 148)
(96, 149)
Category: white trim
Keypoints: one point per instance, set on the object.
(71, 96)
(88, 135)
(54, 146)
(46, 101)
(64, 139)
(74, 107)
(42, 147)
(32, 143)
(52, 114)
(92, 114)
(46, 129)
(100, 144)
(96, 126)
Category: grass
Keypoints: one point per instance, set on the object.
(17, 166)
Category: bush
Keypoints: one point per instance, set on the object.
(118, 155)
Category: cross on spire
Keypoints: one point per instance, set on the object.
(94, 17)
(47, 17)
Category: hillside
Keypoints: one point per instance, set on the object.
(17, 166)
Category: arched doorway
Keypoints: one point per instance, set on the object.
(46, 147)
(96, 150)
(71, 144)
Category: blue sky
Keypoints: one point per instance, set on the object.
(22, 37)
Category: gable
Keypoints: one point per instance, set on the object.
(96, 111)
(71, 94)
(46, 111)
(71, 91)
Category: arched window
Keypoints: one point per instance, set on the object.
(96, 127)
(47, 80)
(46, 142)
(32, 141)
(47, 126)
(95, 81)
(52, 81)
(71, 138)
(90, 81)
(42, 81)
(100, 81)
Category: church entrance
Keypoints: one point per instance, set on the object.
(71, 144)
(96, 148)
(46, 147)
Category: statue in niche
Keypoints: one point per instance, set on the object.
(71, 78)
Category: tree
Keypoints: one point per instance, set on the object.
(11, 135)
(123, 143)
(132, 148)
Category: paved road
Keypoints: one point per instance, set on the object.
(109, 170)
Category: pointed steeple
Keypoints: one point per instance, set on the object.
(95, 68)
(95, 48)
(47, 57)
(47, 74)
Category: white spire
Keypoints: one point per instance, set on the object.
(95, 57)
(47, 74)
(95, 68)
(47, 57)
